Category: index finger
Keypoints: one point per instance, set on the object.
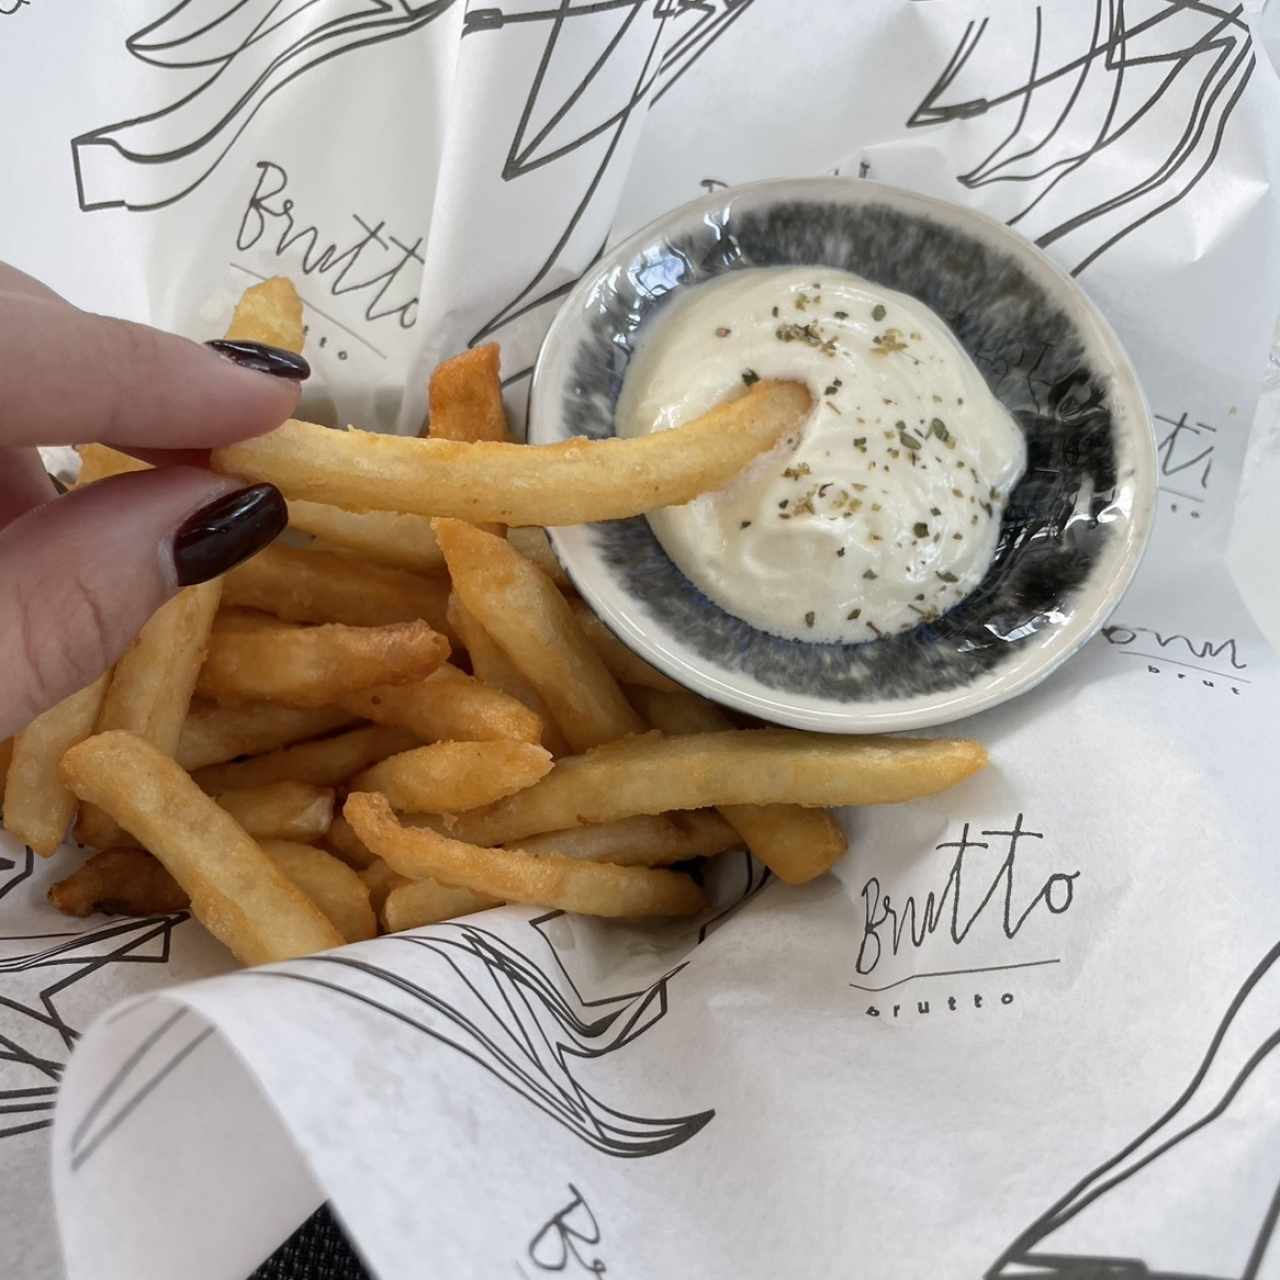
(69, 377)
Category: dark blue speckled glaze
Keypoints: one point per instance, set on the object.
(1033, 359)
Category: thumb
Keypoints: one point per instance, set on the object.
(84, 572)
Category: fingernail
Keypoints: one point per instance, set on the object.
(230, 529)
(261, 358)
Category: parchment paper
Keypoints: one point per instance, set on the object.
(1025, 1025)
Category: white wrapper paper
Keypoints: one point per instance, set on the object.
(1026, 1024)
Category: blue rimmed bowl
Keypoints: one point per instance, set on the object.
(1073, 532)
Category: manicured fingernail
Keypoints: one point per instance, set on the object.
(276, 361)
(230, 529)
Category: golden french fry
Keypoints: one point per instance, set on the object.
(386, 537)
(449, 777)
(331, 885)
(420, 902)
(625, 667)
(522, 609)
(532, 543)
(651, 773)
(280, 810)
(315, 666)
(269, 312)
(150, 689)
(465, 397)
(305, 585)
(343, 843)
(490, 664)
(545, 880)
(98, 462)
(254, 620)
(447, 705)
(645, 840)
(567, 483)
(796, 844)
(119, 882)
(381, 881)
(465, 402)
(38, 806)
(132, 882)
(212, 734)
(327, 762)
(236, 891)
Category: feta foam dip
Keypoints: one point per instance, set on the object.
(884, 511)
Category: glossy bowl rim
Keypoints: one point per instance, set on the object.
(1095, 605)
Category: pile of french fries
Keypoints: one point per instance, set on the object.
(402, 714)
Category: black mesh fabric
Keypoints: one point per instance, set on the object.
(318, 1250)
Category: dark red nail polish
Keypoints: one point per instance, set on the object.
(230, 529)
(261, 358)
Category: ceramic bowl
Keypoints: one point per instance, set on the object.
(1075, 526)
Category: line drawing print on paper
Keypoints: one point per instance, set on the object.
(39, 971)
(498, 1006)
(491, 1001)
(682, 31)
(224, 67)
(1193, 1134)
(1172, 72)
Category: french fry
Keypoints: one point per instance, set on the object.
(316, 666)
(119, 882)
(280, 810)
(38, 806)
(304, 585)
(465, 397)
(521, 608)
(421, 902)
(796, 844)
(491, 665)
(212, 734)
(447, 705)
(568, 483)
(150, 689)
(625, 667)
(327, 762)
(381, 881)
(343, 843)
(465, 403)
(385, 537)
(99, 462)
(269, 312)
(651, 773)
(545, 880)
(132, 882)
(645, 840)
(236, 891)
(331, 885)
(532, 543)
(6, 756)
(449, 777)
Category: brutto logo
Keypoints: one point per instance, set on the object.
(893, 927)
(567, 1242)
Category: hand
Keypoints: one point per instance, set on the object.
(80, 574)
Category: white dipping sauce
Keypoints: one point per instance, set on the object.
(885, 512)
